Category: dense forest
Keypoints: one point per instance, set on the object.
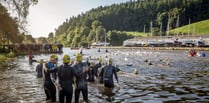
(111, 21)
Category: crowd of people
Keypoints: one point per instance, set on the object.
(72, 78)
(36, 48)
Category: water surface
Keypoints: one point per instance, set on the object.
(164, 77)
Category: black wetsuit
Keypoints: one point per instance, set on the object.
(95, 69)
(90, 72)
(81, 82)
(39, 70)
(49, 87)
(107, 73)
(65, 74)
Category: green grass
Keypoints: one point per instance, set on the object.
(138, 34)
(198, 28)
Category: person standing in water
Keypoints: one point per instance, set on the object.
(95, 68)
(90, 70)
(80, 70)
(65, 80)
(107, 72)
(30, 56)
(39, 68)
(49, 79)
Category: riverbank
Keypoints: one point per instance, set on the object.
(155, 48)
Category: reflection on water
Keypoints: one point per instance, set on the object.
(172, 77)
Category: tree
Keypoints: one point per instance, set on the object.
(112, 36)
(20, 8)
(91, 36)
(50, 37)
(28, 39)
(95, 24)
(100, 33)
(84, 31)
(83, 44)
(69, 38)
(75, 42)
(41, 40)
(8, 26)
(132, 16)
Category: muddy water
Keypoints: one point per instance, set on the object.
(164, 77)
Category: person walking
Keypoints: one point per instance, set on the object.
(65, 80)
(80, 70)
(49, 79)
(107, 73)
(94, 68)
(30, 56)
(39, 68)
(97, 66)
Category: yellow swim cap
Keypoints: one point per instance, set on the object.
(53, 57)
(66, 59)
(100, 59)
(41, 61)
(78, 57)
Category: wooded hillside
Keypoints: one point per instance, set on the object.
(138, 16)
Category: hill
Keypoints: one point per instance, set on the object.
(149, 15)
(198, 28)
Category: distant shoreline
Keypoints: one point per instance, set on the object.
(154, 48)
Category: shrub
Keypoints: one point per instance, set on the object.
(2, 58)
(11, 54)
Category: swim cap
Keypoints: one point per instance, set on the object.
(66, 59)
(53, 57)
(78, 57)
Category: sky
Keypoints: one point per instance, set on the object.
(47, 15)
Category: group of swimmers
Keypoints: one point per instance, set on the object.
(193, 52)
(64, 78)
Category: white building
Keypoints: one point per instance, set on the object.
(100, 44)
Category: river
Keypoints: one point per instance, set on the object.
(165, 76)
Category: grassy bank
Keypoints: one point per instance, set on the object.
(198, 28)
(137, 34)
(6, 56)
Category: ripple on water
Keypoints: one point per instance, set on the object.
(181, 91)
(123, 97)
(141, 93)
(190, 97)
(164, 94)
(183, 81)
(133, 100)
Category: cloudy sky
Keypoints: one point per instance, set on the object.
(49, 14)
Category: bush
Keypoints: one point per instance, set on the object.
(2, 58)
(11, 54)
(4, 49)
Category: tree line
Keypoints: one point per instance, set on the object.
(93, 25)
